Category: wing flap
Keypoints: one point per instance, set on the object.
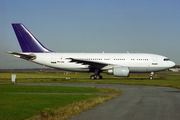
(94, 64)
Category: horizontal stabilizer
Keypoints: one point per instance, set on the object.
(23, 56)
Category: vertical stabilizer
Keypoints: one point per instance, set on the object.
(27, 41)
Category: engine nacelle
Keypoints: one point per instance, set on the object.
(119, 71)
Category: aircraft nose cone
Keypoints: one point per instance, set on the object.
(172, 64)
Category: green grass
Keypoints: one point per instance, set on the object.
(45, 89)
(21, 105)
(160, 78)
(19, 102)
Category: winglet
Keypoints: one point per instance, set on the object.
(27, 41)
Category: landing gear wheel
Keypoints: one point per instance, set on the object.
(95, 77)
(92, 77)
(99, 77)
(151, 77)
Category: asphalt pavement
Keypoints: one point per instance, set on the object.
(136, 103)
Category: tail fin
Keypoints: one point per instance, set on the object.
(27, 41)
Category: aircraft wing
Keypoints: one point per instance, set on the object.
(94, 64)
(29, 56)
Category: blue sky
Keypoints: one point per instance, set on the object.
(137, 26)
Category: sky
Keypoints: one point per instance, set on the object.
(112, 26)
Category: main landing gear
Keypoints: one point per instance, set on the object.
(96, 74)
(151, 75)
(96, 77)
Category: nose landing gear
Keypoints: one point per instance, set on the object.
(151, 75)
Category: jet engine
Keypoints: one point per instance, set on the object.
(119, 71)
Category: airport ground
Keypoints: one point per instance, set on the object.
(167, 79)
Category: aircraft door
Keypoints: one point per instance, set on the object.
(154, 60)
(53, 59)
(56, 59)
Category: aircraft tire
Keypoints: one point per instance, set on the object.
(151, 77)
(99, 77)
(92, 77)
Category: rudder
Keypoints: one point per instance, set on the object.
(27, 41)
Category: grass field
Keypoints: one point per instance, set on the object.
(45, 89)
(18, 102)
(167, 79)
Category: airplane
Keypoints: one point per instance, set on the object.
(117, 64)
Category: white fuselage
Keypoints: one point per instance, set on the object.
(117, 64)
(136, 62)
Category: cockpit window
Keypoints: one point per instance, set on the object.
(166, 59)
